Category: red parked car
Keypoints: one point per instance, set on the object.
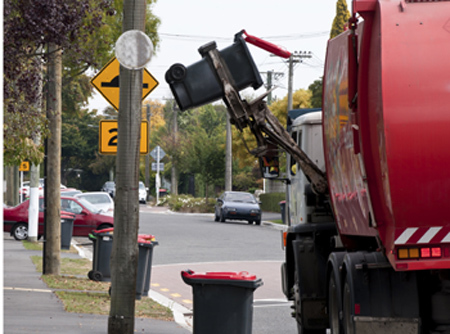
(87, 218)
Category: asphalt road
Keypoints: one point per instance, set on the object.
(196, 242)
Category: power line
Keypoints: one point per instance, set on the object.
(220, 38)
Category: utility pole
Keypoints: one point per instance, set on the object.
(33, 208)
(124, 256)
(271, 75)
(295, 58)
(52, 226)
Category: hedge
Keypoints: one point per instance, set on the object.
(271, 202)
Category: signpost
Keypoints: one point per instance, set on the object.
(24, 167)
(157, 153)
(107, 82)
(107, 143)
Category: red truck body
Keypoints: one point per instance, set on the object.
(387, 157)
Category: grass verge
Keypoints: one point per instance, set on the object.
(82, 295)
(39, 246)
(277, 221)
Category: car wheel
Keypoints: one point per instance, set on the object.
(222, 217)
(258, 222)
(250, 222)
(20, 231)
(216, 217)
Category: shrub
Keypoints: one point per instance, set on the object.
(270, 202)
(187, 203)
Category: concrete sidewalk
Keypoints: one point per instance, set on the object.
(30, 307)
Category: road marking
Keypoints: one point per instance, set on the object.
(187, 301)
(176, 295)
(164, 289)
(26, 289)
(155, 284)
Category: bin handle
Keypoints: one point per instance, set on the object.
(265, 45)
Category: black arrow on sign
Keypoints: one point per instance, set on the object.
(114, 83)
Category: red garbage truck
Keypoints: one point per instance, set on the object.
(367, 247)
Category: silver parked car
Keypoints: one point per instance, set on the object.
(100, 200)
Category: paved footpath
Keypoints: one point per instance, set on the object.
(30, 307)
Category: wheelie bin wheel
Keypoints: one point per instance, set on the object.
(95, 275)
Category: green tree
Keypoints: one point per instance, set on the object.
(204, 145)
(341, 18)
(81, 165)
(316, 93)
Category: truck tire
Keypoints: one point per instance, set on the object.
(298, 312)
(348, 309)
(333, 306)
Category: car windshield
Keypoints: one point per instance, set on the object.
(89, 206)
(96, 198)
(238, 197)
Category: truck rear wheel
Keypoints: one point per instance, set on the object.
(348, 309)
(333, 306)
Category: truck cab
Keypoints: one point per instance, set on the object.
(303, 206)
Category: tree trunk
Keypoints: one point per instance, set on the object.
(52, 245)
(124, 257)
(10, 185)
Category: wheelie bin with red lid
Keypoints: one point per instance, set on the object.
(102, 248)
(67, 220)
(223, 301)
(146, 243)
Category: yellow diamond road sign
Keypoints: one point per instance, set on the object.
(107, 82)
(108, 137)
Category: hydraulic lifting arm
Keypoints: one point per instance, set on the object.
(264, 125)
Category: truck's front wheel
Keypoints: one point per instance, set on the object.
(298, 312)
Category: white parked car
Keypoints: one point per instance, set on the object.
(25, 189)
(142, 192)
(100, 200)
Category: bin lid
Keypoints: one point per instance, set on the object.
(105, 230)
(148, 237)
(67, 215)
(229, 276)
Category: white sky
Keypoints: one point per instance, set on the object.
(186, 25)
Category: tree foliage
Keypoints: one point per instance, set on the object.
(29, 26)
(341, 18)
(86, 30)
(316, 93)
